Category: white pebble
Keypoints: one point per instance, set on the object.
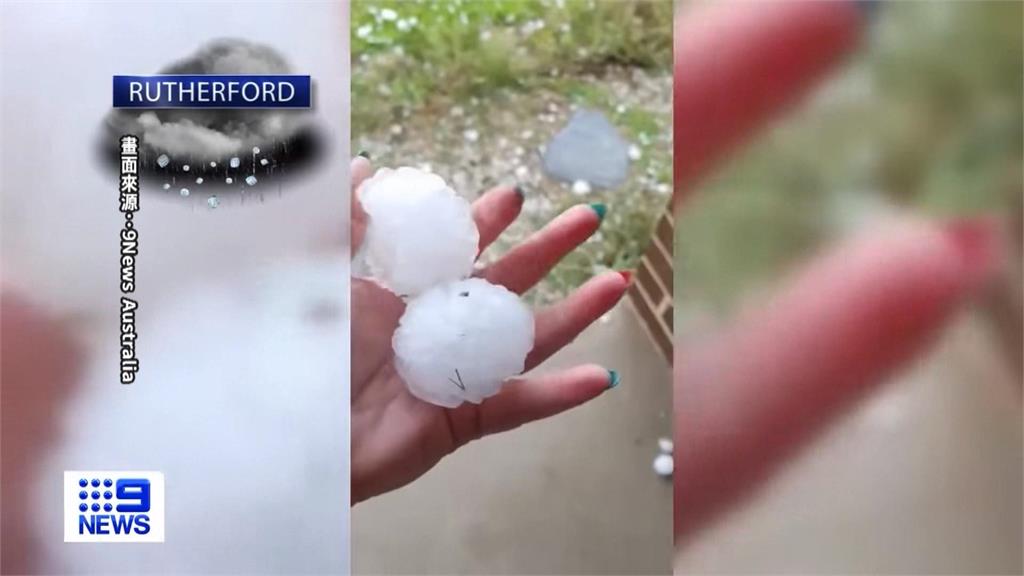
(458, 342)
(419, 234)
(663, 465)
(634, 152)
(471, 135)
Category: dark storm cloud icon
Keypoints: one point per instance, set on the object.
(204, 152)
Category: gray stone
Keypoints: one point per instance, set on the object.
(590, 149)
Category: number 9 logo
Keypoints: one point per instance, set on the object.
(133, 489)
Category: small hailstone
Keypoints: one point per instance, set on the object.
(167, 186)
(396, 129)
(581, 187)
(229, 180)
(162, 160)
(663, 465)
(255, 149)
(184, 192)
(250, 180)
(419, 234)
(634, 152)
(522, 172)
(264, 161)
(199, 180)
(213, 202)
(458, 342)
(234, 162)
(665, 445)
(471, 135)
(185, 168)
(213, 164)
(663, 188)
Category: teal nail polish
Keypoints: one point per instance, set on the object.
(613, 379)
(364, 154)
(520, 191)
(600, 209)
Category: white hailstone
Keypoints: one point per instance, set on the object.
(229, 180)
(666, 445)
(185, 168)
(471, 135)
(213, 164)
(458, 342)
(162, 160)
(250, 180)
(255, 149)
(264, 161)
(199, 180)
(420, 233)
(634, 152)
(234, 162)
(581, 187)
(213, 202)
(184, 192)
(167, 186)
(663, 465)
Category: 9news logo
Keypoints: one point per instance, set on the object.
(113, 506)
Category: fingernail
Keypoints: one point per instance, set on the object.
(600, 209)
(521, 192)
(613, 379)
(977, 241)
(627, 275)
(364, 154)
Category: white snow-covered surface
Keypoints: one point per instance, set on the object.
(460, 341)
(420, 233)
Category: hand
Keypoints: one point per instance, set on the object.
(396, 437)
(749, 399)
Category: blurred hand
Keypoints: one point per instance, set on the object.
(39, 364)
(396, 437)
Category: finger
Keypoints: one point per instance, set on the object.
(738, 64)
(530, 261)
(532, 398)
(361, 169)
(494, 211)
(746, 401)
(559, 324)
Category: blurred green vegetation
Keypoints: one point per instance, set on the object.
(418, 52)
(926, 116)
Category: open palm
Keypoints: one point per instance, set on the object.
(395, 436)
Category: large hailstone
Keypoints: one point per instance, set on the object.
(459, 341)
(420, 233)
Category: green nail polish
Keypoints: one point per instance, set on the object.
(520, 191)
(613, 378)
(600, 209)
(364, 154)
